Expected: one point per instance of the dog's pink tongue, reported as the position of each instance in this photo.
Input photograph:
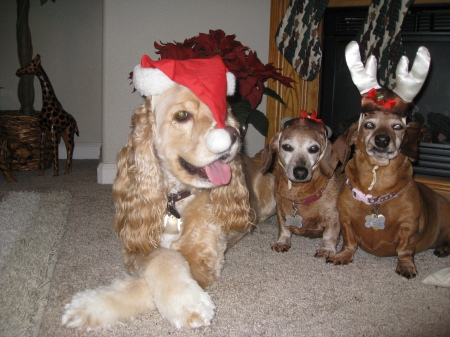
(219, 173)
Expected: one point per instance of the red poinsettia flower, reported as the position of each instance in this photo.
(251, 75)
(216, 43)
(175, 51)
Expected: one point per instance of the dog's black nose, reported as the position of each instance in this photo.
(382, 140)
(300, 173)
(233, 134)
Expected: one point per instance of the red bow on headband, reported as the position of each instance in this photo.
(387, 103)
(311, 115)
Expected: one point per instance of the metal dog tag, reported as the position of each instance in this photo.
(172, 230)
(172, 224)
(295, 221)
(375, 221)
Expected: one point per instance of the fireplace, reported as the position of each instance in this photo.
(340, 101)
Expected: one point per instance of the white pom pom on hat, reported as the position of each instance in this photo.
(218, 141)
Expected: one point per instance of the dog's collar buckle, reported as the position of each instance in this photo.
(369, 199)
(173, 198)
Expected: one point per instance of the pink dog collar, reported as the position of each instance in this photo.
(369, 199)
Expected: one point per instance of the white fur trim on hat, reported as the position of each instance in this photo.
(150, 81)
(231, 83)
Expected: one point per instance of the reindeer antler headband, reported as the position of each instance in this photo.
(373, 96)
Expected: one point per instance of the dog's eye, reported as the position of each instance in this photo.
(287, 147)
(313, 149)
(369, 125)
(182, 115)
(397, 127)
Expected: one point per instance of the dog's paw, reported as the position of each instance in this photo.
(324, 253)
(192, 307)
(442, 251)
(87, 313)
(406, 271)
(340, 259)
(281, 247)
(103, 307)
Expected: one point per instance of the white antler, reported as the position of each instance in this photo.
(410, 83)
(365, 78)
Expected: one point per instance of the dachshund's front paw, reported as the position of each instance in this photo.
(324, 253)
(340, 259)
(281, 247)
(442, 251)
(406, 271)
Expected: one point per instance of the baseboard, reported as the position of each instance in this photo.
(81, 151)
(106, 173)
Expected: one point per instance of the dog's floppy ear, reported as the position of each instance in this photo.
(138, 189)
(268, 152)
(410, 144)
(342, 145)
(232, 202)
(329, 161)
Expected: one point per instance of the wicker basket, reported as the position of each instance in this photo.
(25, 129)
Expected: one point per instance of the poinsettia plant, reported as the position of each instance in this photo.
(251, 74)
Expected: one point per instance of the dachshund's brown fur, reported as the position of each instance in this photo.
(306, 166)
(416, 219)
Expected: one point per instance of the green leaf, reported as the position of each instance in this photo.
(244, 114)
(271, 93)
(241, 110)
(259, 121)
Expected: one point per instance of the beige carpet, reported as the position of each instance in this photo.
(260, 293)
(31, 228)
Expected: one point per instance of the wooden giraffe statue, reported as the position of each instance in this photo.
(54, 121)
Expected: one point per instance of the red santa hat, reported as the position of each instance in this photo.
(209, 79)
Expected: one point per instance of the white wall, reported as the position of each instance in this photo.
(88, 48)
(68, 36)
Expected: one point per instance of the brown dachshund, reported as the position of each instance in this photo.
(306, 187)
(381, 208)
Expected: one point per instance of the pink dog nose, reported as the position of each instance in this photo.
(220, 140)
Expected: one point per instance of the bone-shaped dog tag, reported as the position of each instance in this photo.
(172, 230)
(172, 225)
(375, 221)
(295, 221)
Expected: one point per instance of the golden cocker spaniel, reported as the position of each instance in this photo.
(164, 172)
